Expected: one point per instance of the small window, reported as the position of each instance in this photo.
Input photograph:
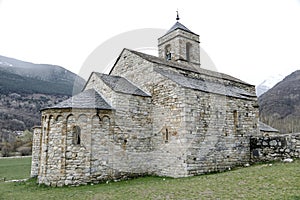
(167, 136)
(168, 56)
(188, 51)
(76, 135)
(235, 120)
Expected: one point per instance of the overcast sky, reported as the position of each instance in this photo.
(248, 39)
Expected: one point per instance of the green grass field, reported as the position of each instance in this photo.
(15, 168)
(264, 181)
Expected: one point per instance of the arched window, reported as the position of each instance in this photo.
(76, 135)
(188, 51)
(168, 52)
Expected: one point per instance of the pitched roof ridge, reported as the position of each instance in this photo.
(186, 67)
(124, 86)
(179, 25)
(102, 74)
(205, 85)
(89, 98)
(266, 127)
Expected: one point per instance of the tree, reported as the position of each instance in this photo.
(6, 149)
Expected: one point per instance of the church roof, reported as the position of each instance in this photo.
(186, 67)
(266, 128)
(120, 84)
(87, 99)
(178, 25)
(204, 85)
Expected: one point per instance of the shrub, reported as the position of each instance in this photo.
(6, 149)
(25, 151)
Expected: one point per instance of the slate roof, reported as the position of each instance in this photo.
(186, 67)
(86, 99)
(178, 25)
(120, 84)
(266, 128)
(204, 85)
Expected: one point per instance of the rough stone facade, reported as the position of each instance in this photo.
(275, 147)
(36, 144)
(150, 115)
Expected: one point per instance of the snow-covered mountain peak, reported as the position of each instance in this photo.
(268, 83)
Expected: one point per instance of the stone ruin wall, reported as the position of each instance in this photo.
(275, 147)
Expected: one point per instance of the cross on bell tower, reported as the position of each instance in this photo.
(177, 18)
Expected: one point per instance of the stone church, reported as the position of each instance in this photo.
(163, 116)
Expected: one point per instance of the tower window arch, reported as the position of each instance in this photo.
(168, 54)
(76, 135)
(188, 51)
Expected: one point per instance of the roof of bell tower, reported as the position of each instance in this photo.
(178, 25)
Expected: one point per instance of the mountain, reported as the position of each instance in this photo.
(26, 87)
(267, 84)
(25, 77)
(280, 106)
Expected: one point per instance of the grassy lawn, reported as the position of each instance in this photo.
(15, 168)
(264, 181)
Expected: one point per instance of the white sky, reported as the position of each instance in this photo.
(248, 39)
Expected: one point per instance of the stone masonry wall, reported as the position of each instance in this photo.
(275, 147)
(177, 41)
(217, 141)
(96, 83)
(135, 69)
(167, 114)
(132, 134)
(133, 114)
(36, 147)
(62, 162)
(168, 129)
(132, 131)
(218, 127)
(202, 136)
(176, 132)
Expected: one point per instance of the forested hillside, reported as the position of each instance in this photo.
(280, 106)
(25, 88)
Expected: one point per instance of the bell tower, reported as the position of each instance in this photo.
(180, 44)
